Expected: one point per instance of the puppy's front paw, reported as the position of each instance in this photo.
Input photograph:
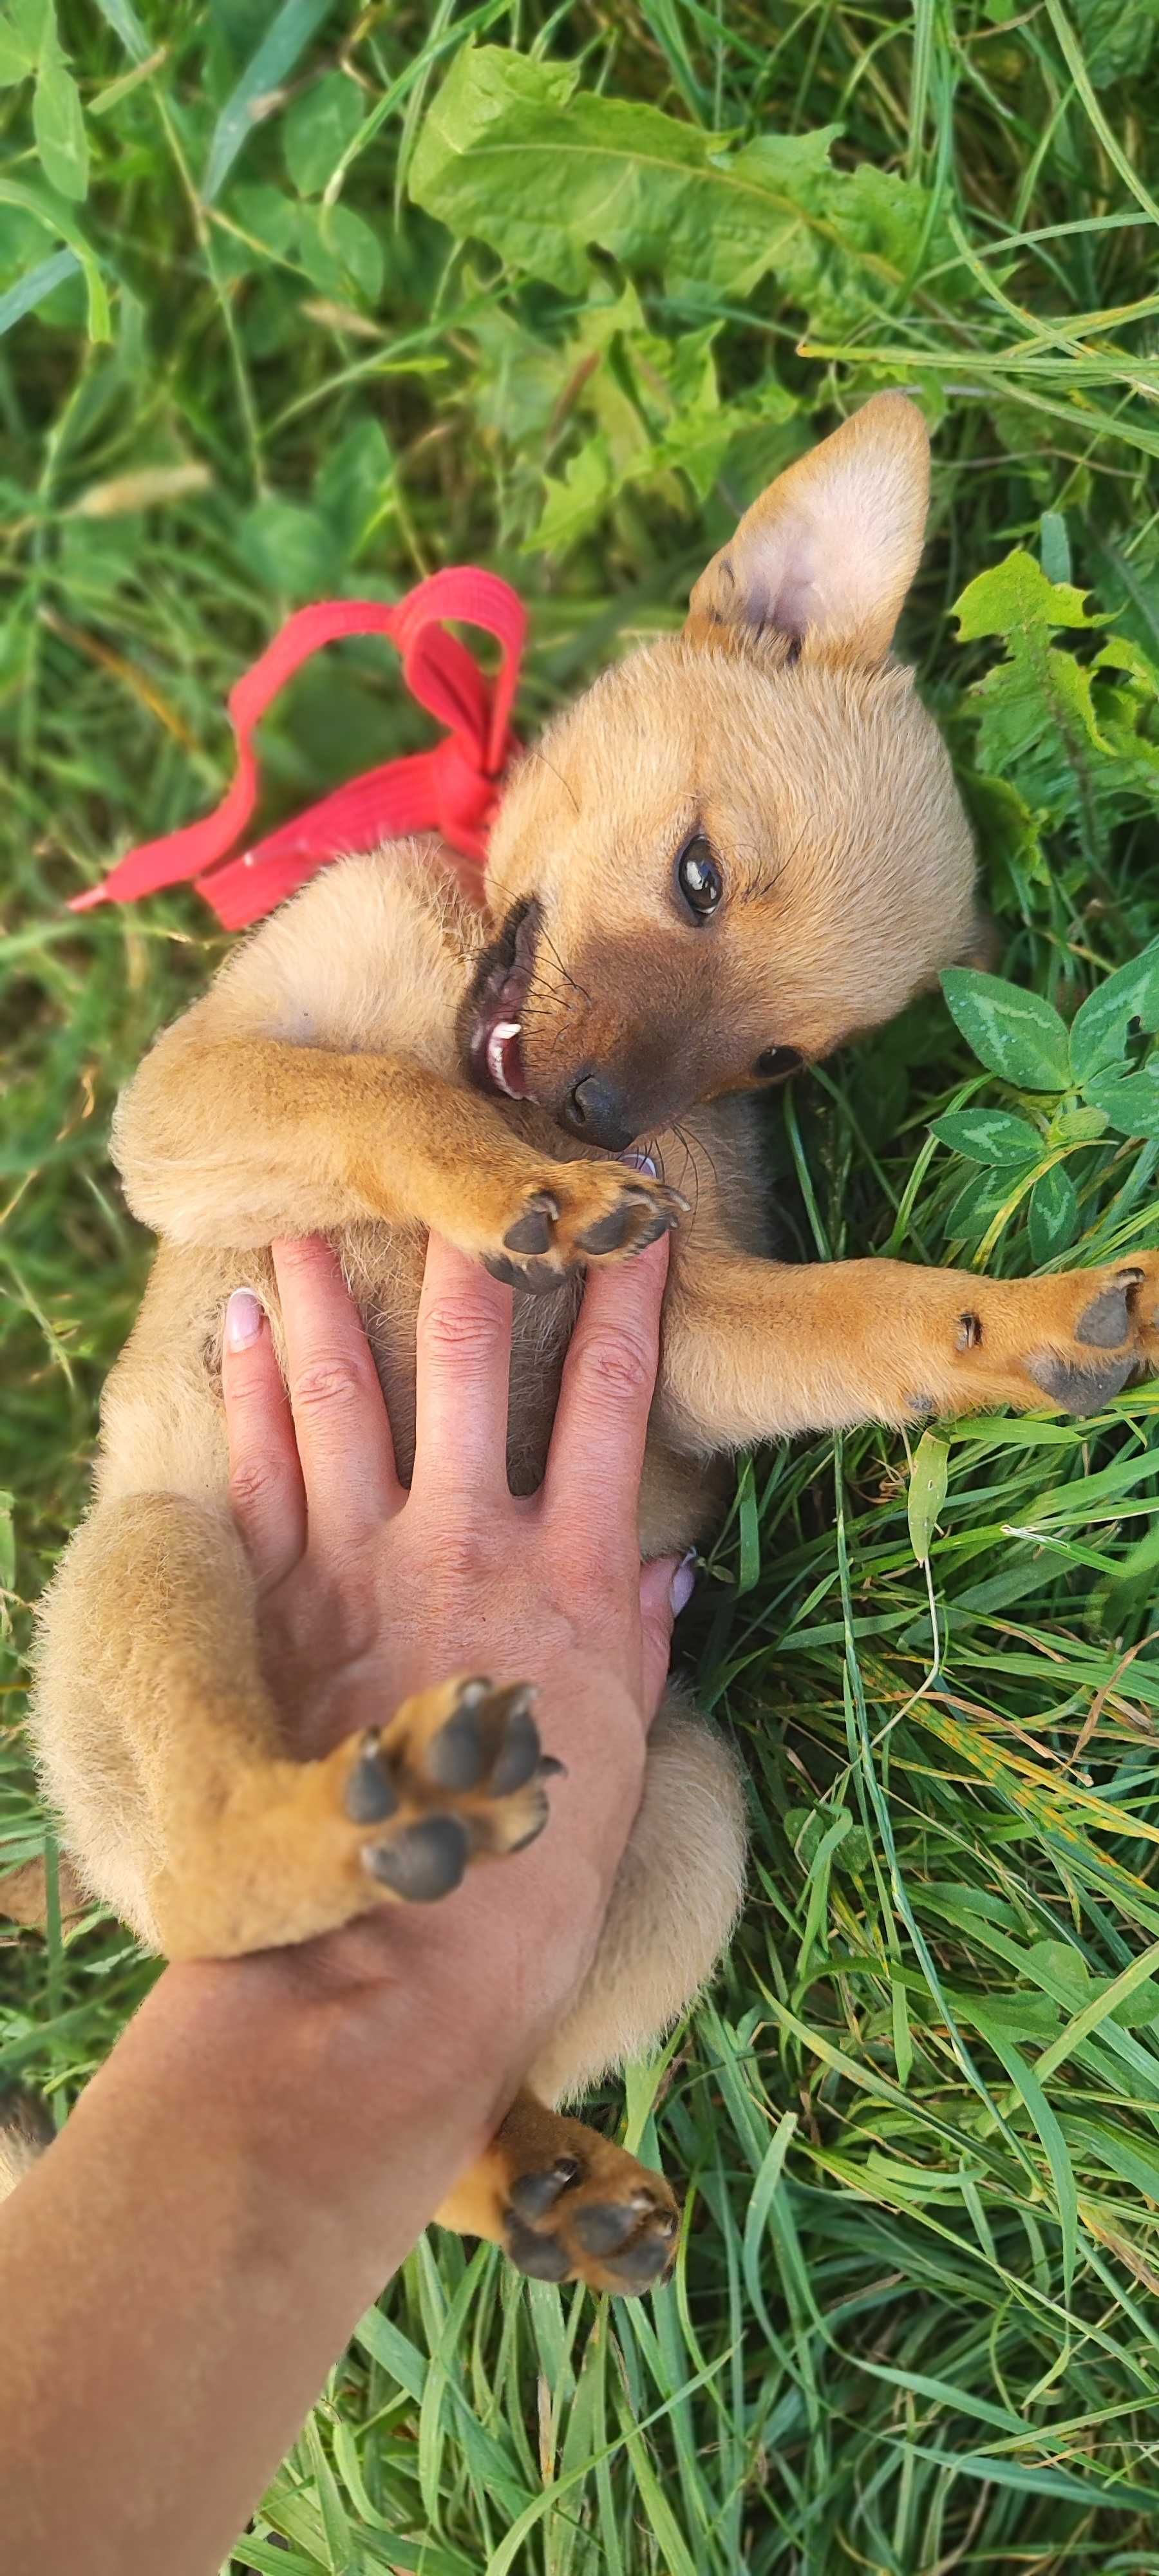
(577, 1214)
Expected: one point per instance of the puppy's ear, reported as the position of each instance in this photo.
(827, 554)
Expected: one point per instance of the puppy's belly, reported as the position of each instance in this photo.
(163, 1424)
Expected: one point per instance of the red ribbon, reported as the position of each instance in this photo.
(452, 789)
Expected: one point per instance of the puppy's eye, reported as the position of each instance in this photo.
(777, 1063)
(699, 877)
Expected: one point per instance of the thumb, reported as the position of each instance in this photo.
(665, 1590)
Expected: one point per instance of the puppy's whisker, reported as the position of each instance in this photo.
(536, 754)
(691, 1171)
(545, 934)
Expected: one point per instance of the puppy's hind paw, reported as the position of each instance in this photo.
(457, 1776)
(592, 2214)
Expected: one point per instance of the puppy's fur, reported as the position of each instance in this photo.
(380, 1057)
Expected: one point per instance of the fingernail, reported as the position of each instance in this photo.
(640, 1163)
(243, 1319)
(683, 1584)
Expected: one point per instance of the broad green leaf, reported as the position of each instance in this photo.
(988, 1136)
(1039, 725)
(1007, 827)
(1131, 1100)
(1054, 546)
(23, 29)
(1012, 1032)
(36, 284)
(354, 483)
(1100, 1027)
(279, 50)
(515, 154)
(269, 216)
(1054, 1213)
(929, 1477)
(318, 129)
(1016, 594)
(576, 499)
(17, 58)
(658, 418)
(123, 20)
(978, 1203)
(288, 549)
(808, 1828)
(1078, 1126)
(59, 219)
(1118, 38)
(338, 250)
(58, 124)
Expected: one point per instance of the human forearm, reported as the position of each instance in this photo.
(192, 2254)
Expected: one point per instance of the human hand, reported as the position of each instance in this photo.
(369, 1592)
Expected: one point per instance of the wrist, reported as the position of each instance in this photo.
(307, 2081)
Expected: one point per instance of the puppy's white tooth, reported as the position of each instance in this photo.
(501, 1034)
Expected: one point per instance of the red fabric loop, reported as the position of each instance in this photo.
(452, 789)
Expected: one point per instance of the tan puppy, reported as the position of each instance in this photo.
(740, 847)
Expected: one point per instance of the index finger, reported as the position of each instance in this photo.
(609, 1378)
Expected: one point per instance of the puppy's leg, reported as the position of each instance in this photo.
(165, 1754)
(756, 1349)
(566, 2203)
(234, 1140)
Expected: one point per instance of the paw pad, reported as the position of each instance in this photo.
(540, 1279)
(1079, 1390)
(425, 1862)
(1107, 1320)
(633, 1215)
(562, 2226)
(533, 1231)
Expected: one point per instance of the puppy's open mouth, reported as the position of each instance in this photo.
(492, 1020)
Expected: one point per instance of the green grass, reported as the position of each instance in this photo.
(914, 2326)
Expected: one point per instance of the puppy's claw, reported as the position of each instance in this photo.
(518, 1757)
(539, 1817)
(370, 1792)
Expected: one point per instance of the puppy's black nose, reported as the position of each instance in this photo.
(598, 1112)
